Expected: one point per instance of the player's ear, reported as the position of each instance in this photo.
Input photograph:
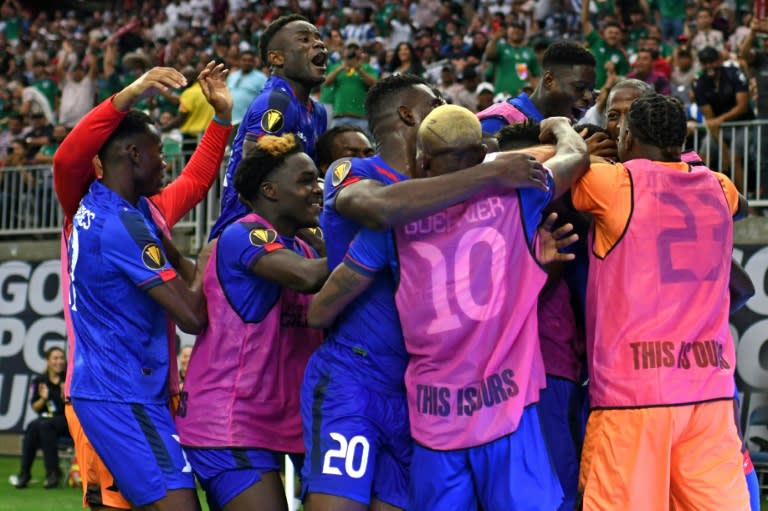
(269, 190)
(406, 115)
(275, 58)
(548, 80)
(133, 153)
(483, 151)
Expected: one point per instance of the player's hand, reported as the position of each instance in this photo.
(518, 170)
(42, 389)
(550, 242)
(147, 85)
(213, 82)
(600, 144)
(552, 128)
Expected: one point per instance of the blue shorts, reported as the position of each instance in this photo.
(559, 408)
(512, 473)
(227, 472)
(139, 445)
(358, 442)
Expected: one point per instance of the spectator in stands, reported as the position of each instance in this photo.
(456, 49)
(47, 399)
(405, 61)
(722, 94)
(401, 29)
(46, 152)
(244, 84)
(753, 52)
(448, 86)
(39, 135)
(467, 96)
(705, 34)
(644, 71)
(671, 16)
(515, 64)
(44, 82)
(683, 74)
(358, 29)
(477, 48)
(78, 88)
(637, 28)
(32, 100)
(484, 93)
(605, 46)
(194, 111)
(351, 80)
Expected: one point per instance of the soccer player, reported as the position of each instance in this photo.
(240, 405)
(296, 55)
(345, 141)
(475, 370)
(660, 353)
(353, 407)
(74, 171)
(565, 89)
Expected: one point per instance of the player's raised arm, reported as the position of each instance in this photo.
(185, 192)
(571, 157)
(378, 207)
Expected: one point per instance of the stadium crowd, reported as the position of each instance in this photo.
(55, 66)
(373, 351)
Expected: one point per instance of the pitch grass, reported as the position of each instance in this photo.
(36, 498)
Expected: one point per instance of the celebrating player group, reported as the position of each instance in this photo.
(495, 311)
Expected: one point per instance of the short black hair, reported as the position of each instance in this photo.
(708, 54)
(134, 123)
(324, 144)
(566, 53)
(518, 135)
(269, 154)
(272, 29)
(658, 120)
(382, 91)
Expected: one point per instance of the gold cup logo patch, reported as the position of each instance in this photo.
(340, 172)
(152, 257)
(261, 237)
(272, 121)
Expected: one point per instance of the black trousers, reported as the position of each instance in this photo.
(43, 433)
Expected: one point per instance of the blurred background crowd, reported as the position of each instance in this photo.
(56, 64)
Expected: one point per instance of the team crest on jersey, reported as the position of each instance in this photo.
(340, 172)
(272, 121)
(153, 257)
(261, 237)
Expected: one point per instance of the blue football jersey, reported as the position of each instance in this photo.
(251, 296)
(276, 110)
(121, 334)
(370, 324)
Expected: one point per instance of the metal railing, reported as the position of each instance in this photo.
(28, 205)
(739, 150)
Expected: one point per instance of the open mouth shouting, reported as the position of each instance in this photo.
(320, 60)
